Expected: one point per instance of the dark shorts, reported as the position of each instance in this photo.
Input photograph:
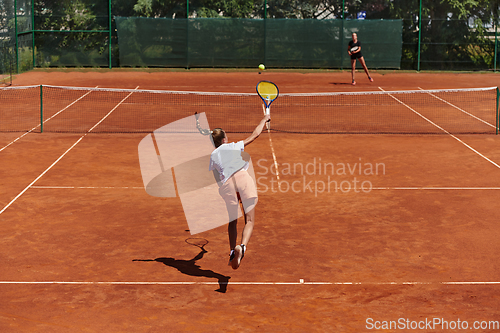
(355, 56)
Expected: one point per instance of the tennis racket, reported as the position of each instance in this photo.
(354, 49)
(198, 242)
(198, 126)
(268, 91)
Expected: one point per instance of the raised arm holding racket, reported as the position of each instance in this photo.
(354, 50)
(235, 186)
(268, 91)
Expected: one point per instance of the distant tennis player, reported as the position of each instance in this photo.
(235, 185)
(354, 50)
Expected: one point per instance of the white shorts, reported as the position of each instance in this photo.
(240, 186)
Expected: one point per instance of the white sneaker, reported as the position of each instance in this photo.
(239, 253)
(231, 257)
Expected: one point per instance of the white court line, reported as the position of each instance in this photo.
(181, 283)
(41, 175)
(274, 158)
(89, 187)
(442, 129)
(64, 154)
(373, 188)
(456, 107)
(31, 130)
(435, 188)
(272, 150)
(18, 138)
(69, 105)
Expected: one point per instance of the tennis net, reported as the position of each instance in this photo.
(102, 110)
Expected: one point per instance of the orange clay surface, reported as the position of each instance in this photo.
(411, 236)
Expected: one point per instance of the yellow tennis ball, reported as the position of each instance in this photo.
(262, 67)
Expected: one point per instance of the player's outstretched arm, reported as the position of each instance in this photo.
(257, 130)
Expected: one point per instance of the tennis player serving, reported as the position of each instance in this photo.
(235, 186)
(354, 50)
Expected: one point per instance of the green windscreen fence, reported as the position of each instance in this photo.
(24, 29)
(72, 49)
(247, 42)
(7, 42)
(6, 63)
(454, 44)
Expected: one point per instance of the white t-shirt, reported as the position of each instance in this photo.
(227, 159)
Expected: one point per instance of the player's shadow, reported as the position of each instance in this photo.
(189, 267)
(340, 83)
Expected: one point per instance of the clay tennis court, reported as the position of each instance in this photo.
(414, 236)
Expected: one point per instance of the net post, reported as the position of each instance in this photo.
(41, 108)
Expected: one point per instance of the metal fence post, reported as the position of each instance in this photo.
(17, 42)
(419, 35)
(187, 34)
(496, 48)
(109, 27)
(342, 37)
(33, 32)
(265, 32)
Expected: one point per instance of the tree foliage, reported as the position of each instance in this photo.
(160, 8)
